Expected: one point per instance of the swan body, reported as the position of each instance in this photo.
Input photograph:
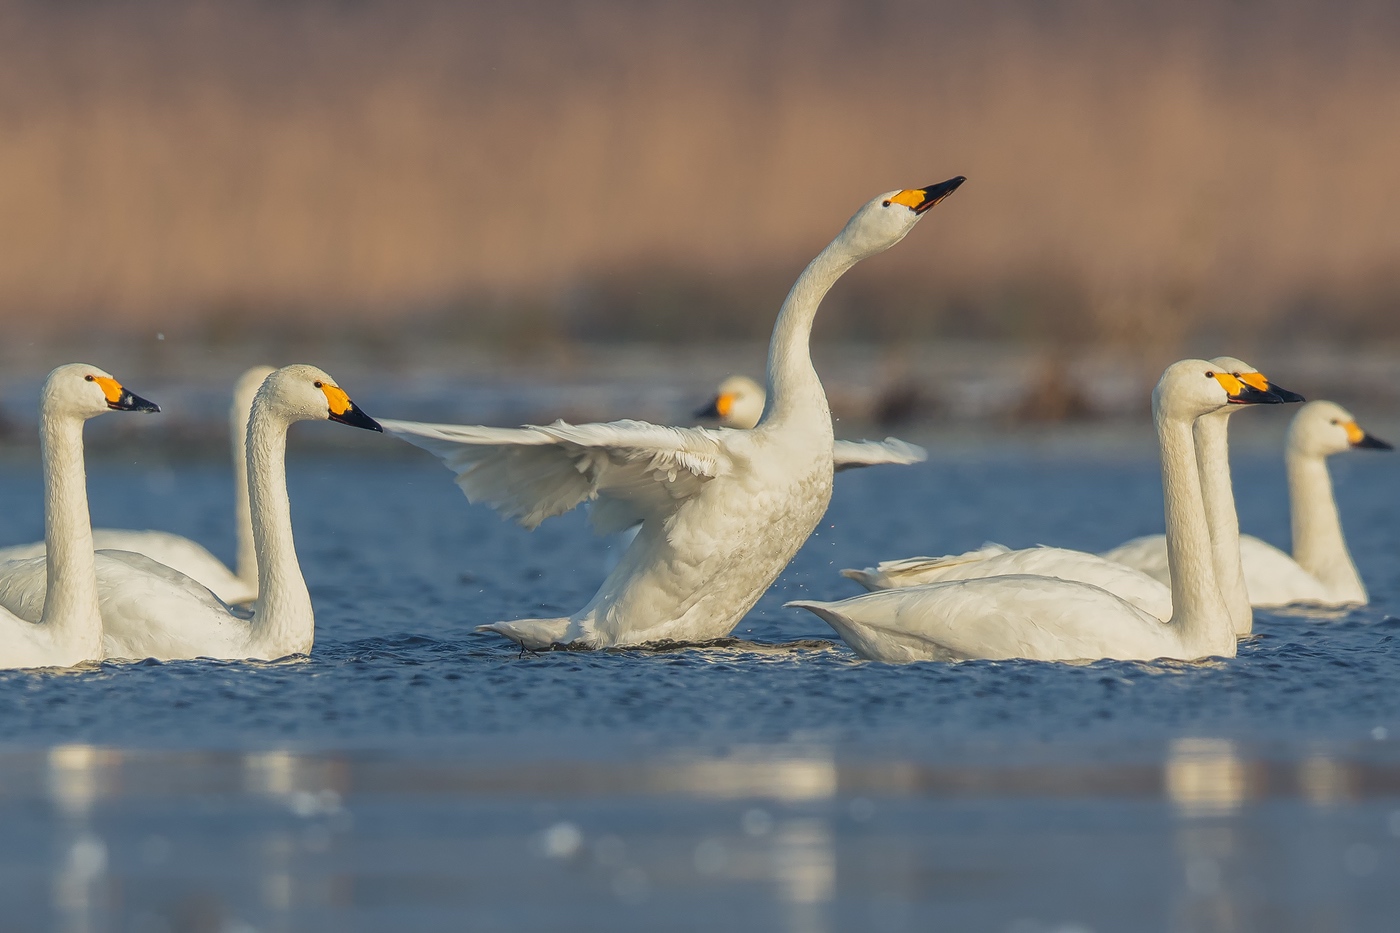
(1321, 571)
(722, 511)
(994, 560)
(178, 552)
(739, 401)
(68, 629)
(149, 610)
(1051, 619)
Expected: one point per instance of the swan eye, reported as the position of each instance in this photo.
(885, 204)
(1210, 375)
(319, 384)
(90, 378)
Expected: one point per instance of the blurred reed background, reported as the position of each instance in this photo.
(541, 173)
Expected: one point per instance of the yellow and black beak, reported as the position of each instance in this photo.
(1240, 390)
(720, 406)
(119, 398)
(1359, 438)
(1261, 382)
(345, 411)
(919, 200)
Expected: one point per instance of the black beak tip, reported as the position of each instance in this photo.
(1252, 396)
(1285, 395)
(708, 411)
(1371, 442)
(129, 401)
(356, 418)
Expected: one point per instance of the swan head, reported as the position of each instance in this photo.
(884, 221)
(302, 392)
(1253, 377)
(87, 391)
(738, 403)
(1321, 429)
(1191, 388)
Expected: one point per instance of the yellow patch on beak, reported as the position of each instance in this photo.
(110, 388)
(1255, 381)
(909, 197)
(336, 398)
(1354, 433)
(725, 404)
(1233, 386)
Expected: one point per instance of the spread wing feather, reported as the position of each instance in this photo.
(847, 455)
(634, 469)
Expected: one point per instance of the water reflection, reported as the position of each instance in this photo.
(77, 777)
(1205, 777)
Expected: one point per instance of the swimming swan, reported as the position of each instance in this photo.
(722, 510)
(149, 610)
(1050, 619)
(180, 553)
(1146, 591)
(1320, 571)
(738, 403)
(70, 630)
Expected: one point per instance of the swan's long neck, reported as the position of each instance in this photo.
(282, 617)
(246, 559)
(70, 606)
(1198, 612)
(1319, 546)
(794, 391)
(1218, 493)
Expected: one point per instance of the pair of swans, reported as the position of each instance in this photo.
(739, 401)
(1052, 619)
(722, 511)
(1147, 592)
(180, 553)
(79, 605)
(1320, 570)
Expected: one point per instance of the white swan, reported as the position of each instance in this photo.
(722, 511)
(1321, 571)
(149, 610)
(180, 553)
(1051, 619)
(69, 631)
(739, 401)
(1144, 590)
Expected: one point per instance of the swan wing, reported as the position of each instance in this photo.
(992, 560)
(1275, 579)
(848, 455)
(911, 571)
(635, 470)
(1014, 616)
(1147, 554)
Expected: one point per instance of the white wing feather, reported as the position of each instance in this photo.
(848, 455)
(635, 470)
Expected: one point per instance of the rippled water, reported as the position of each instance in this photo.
(413, 774)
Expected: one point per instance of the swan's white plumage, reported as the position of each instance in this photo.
(178, 552)
(739, 401)
(65, 627)
(1273, 577)
(1051, 619)
(722, 511)
(993, 560)
(151, 610)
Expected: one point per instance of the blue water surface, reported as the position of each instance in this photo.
(413, 774)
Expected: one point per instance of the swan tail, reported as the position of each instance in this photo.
(868, 578)
(824, 611)
(535, 634)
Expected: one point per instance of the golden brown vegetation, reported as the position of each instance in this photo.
(616, 168)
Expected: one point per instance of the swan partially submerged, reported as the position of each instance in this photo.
(722, 510)
(149, 610)
(739, 401)
(1145, 591)
(180, 553)
(1320, 571)
(67, 630)
(1052, 619)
